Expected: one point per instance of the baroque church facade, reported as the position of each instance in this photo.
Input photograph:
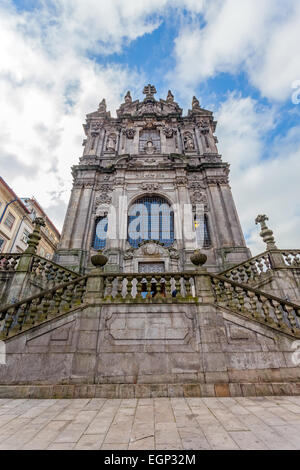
(152, 155)
(153, 291)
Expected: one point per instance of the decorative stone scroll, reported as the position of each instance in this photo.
(169, 132)
(130, 132)
(150, 186)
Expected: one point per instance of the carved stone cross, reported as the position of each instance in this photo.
(266, 234)
(149, 91)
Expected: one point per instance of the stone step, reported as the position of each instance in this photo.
(187, 390)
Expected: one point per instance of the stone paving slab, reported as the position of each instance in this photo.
(160, 423)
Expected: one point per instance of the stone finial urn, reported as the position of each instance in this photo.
(99, 260)
(198, 258)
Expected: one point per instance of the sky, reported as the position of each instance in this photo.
(59, 58)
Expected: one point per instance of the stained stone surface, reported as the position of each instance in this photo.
(155, 345)
(158, 423)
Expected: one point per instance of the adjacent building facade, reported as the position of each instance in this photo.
(16, 224)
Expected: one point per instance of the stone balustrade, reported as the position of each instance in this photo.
(291, 258)
(259, 267)
(160, 287)
(49, 272)
(48, 304)
(196, 287)
(9, 261)
(257, 305)
(251, 271)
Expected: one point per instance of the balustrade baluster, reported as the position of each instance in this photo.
(177, 278)
(291, 318)
(149, 287)
(139, 288)
(253, 305)
(266, 309)
(242, 274)
(33, 311)
(9, 319)
(168, 287)
(129, 288)
(240, 298)
(278, 313)
(187, 284)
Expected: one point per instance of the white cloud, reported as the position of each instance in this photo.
(260, 37)
(264, 176)
(48, 82)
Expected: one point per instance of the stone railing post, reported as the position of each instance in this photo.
(20, 277)
(203, 286)
(95, 283)
(266, 234)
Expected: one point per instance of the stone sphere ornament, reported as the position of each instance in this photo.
(99, 260)
(198, 258)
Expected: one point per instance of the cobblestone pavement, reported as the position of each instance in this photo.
(154, 423)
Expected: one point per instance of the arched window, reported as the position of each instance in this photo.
(150, 218)
(99, 239)
(202, 231)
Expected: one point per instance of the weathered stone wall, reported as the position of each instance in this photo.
(167, 348)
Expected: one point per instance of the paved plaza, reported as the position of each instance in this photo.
(156, 423)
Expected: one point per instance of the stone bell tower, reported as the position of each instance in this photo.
(138, 186)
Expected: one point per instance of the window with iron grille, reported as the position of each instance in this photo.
(9, 221)
(100, 232)
(150, 218)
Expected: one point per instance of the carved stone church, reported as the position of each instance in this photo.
(152, 291)
(151, 155)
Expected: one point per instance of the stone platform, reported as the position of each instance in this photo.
(155, 423)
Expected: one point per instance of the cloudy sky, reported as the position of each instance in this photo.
(59, 58)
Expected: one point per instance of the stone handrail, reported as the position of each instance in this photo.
(257, 305)
(45, 305)
(9, 261)
(291, 258)
(50, 272)
(259, 267)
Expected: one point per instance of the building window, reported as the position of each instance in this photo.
(149, 142)
(9, 221)
(203, 232)
(25, 236)
(99, 239)
(47, 255)
(42, 251)
(150, 218)
(2, 243)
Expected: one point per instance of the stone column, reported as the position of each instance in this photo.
(70, 219)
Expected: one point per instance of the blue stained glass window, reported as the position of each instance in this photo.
(150, 218)
(99, 240)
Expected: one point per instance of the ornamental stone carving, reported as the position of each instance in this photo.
(173, 253)
(181, 181)
(169, 132)
(105, 187)
(130, 133)
(111, 142)
(188, 141)
(103, 198)
(150, 186)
